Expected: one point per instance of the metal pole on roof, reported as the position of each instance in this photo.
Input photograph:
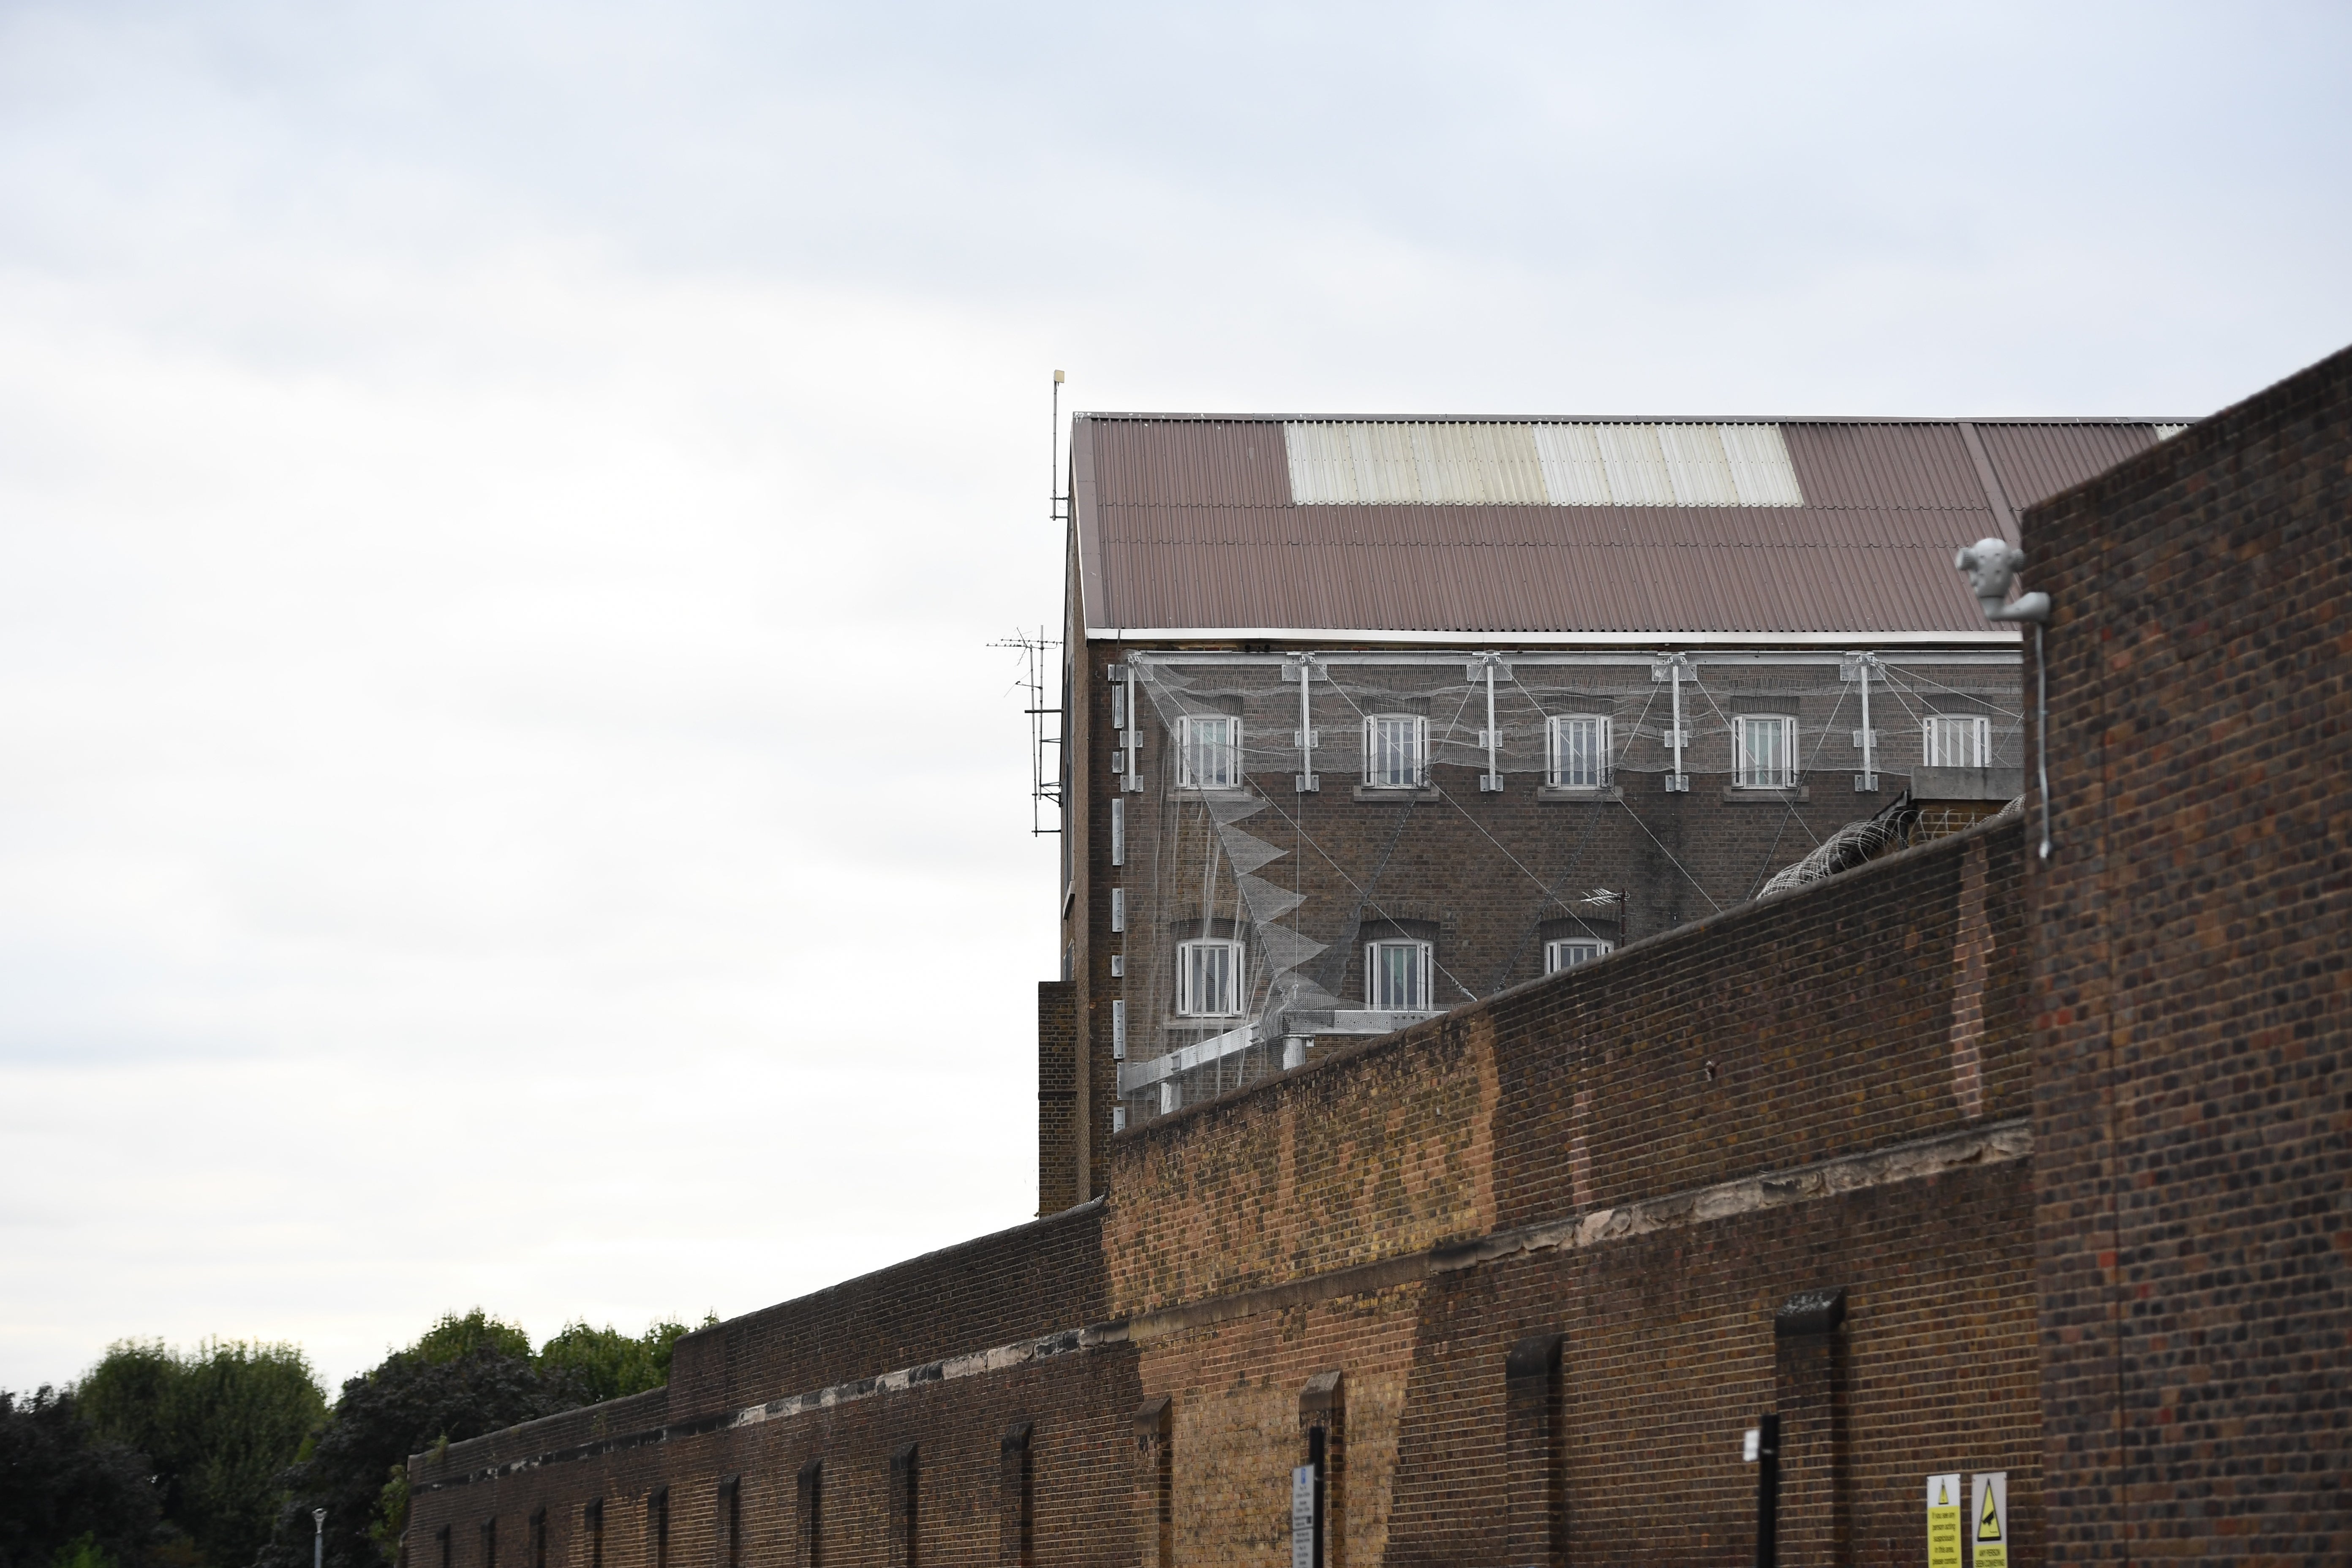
(1054, 490)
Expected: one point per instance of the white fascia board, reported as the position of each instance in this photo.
(2005, 658)
(1325, 637)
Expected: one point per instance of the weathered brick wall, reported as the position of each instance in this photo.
(1075, 1408)
(1646, 1156)
(1789, 1032)
(1320, 1170)
(2193, 1138)
(685, 1441)
(1032, 1279)
(1059, 1112)
(1397, 1214)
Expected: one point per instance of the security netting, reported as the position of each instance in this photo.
(1313, 848)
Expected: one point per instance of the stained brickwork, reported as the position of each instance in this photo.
(1791, 1032)
(2193, 1136)
(1788, 1034)
(1059, 1112)
(830, 1483)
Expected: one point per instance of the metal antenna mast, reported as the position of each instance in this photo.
(1044, 782)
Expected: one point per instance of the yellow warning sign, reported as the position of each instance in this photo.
(1944, 1520)
(1991, 1510)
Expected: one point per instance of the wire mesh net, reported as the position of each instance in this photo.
(1262, 917)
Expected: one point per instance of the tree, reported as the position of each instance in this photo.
(219, 1423)
(605, 1364)
(466, 1376)
(67, 1492)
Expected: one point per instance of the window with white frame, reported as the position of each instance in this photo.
(1208, 978)
(1579, 746)
(1396, 751)
(1764, 751)
(1958, 741)
(1208, 753)
(1396, 976)
(1570, 952)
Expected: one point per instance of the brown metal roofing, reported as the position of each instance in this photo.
(1187, 523)
(2036, 461)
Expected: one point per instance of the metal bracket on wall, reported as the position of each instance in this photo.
(1859, 668)
(1670, 668)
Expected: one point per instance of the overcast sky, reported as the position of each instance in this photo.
(504, 796)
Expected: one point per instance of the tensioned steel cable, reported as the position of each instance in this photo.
(1551, 894)
(1971, 696)
(1785, 801)
(1363, 896)
(1827, 731)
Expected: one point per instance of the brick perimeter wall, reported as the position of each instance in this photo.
(1017, 1285)
(2193, 1144)
(1876, 1010)
(1882, 1009)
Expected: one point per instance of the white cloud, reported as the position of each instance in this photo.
(502, 794)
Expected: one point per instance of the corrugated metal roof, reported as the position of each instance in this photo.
(2036, 461)
(1608, 528)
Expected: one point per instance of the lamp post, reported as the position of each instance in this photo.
(319, 1537)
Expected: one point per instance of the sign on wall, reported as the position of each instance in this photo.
(1302, 1517)
(1945, 1496)
(1989, 1511)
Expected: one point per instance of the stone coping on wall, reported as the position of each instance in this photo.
(584, 1428)
(1994, 1144)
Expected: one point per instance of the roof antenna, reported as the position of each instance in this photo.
(1991, 566)
(1054, 490)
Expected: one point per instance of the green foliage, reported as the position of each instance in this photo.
(466, 1375)
(83, 1552)
(605, 1364)
(453, 1338)
(391, 1515)
(219, 1423)
(67, 1493)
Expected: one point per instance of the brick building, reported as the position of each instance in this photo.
(1963, 1161)
(1371, 718)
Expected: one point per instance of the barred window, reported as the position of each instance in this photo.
(1958, 741)
(1396, 751)
(1208, 978)
(1764, 752)
(1569, 953)
(1208, 753)
(1396, 976)
(1578, 745)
